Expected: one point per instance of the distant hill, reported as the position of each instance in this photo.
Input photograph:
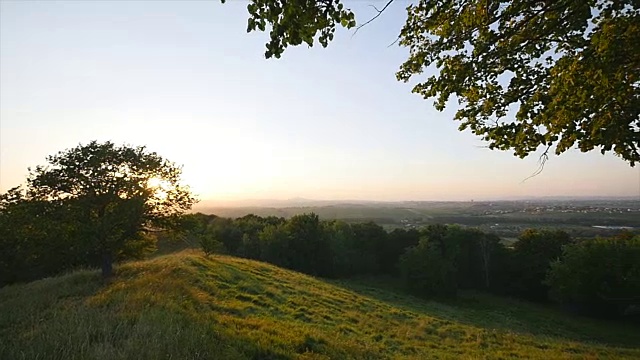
(187, 306)
(207, 205)
(275, 203)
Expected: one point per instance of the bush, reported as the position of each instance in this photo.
(211, 245)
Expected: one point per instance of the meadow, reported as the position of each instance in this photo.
(191, 306)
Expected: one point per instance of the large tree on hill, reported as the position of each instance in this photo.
(115, 194)
(527, 74)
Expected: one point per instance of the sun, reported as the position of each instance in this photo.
(159, 186)
(155, 182)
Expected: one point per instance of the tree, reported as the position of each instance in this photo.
(341, 239)
(533, 254)
(116, 193)
(201, 229)
(210, 243)
(598, 275)
(274, 249)
(397, 242)
(227, 233)
(249, 228)
(479, 257)
(308, 245)
(426, 272)
(299, 244)
(36, 240)
(527, 74)
(368, 247)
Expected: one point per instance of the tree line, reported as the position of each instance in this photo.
(598, 276)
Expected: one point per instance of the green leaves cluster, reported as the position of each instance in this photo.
(570, 68)
(449, 258)
(294, 22)
(599, 275)
(36, 239)
(532, 256)
(426, 272)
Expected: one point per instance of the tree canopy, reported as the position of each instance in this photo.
(112, 194)
(527, 75)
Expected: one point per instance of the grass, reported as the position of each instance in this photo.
(188, 306)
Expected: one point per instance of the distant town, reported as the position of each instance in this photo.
(507, 218)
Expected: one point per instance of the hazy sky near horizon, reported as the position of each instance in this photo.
(186, 80)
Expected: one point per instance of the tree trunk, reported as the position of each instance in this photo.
(107, 265)
(486, 255)
(486, 270)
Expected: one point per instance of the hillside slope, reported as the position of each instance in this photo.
(187, 306)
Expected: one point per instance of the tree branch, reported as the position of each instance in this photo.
(380, 11)
(543, 160)
(394, 41)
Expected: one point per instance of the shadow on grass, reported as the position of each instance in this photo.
(500, 313)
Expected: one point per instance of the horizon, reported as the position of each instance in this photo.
(188, 82)
(307, 202)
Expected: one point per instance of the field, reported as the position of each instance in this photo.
(188, 306)
(505, 218)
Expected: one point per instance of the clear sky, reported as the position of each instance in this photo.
(185, 79)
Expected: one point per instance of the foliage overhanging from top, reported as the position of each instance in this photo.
(526, 74)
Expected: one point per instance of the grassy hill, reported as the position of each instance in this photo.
(187, 306)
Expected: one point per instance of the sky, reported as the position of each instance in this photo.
(186, 80)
